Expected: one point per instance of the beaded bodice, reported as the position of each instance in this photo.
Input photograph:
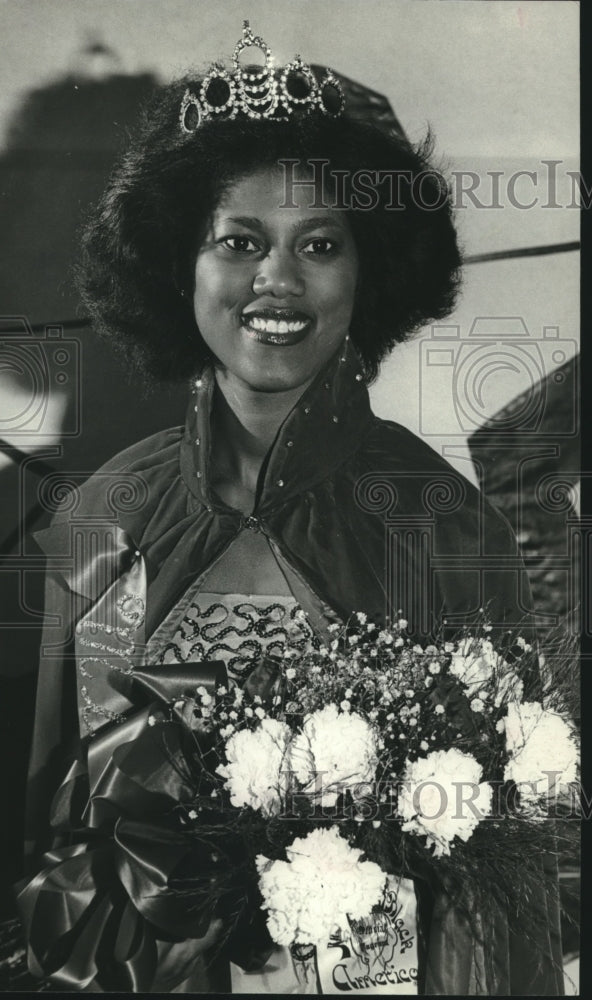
(236, 628)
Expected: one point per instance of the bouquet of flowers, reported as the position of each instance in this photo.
(340, 767)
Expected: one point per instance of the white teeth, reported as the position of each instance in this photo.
(274, 326)
(266, 325)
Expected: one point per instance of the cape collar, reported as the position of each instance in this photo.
(323, 428)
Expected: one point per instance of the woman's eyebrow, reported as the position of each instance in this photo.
(322, 221)
(303, 225)
(249, 221)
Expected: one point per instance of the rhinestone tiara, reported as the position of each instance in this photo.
(260, 91)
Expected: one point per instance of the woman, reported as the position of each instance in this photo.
(266, 242)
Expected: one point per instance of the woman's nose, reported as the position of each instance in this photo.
(278, 275)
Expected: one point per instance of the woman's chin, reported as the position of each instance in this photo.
(272, 379)
(278, 383)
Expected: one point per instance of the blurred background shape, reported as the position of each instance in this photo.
(63, 396)
(534, 480)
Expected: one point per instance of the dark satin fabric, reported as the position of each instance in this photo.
(349, 502)
(96, 910)
(100, 912)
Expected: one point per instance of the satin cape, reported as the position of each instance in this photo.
(369, 518)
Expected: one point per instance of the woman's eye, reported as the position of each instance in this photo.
(240, 244)
(321, 246)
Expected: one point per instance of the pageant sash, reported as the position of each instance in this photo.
(110, 648)
(110, 642)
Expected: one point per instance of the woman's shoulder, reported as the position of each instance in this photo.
(126, 487)
(396, 450)
(425, 481)
(403, 447)
(147, 455)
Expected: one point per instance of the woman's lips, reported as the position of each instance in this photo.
(280, 327)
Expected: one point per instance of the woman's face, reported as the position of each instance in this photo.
(274, 287)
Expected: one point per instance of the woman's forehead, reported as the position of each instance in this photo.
(272, 193)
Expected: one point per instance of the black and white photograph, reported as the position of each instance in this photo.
(291, 548)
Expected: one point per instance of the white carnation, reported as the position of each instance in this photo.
(321, 885)
(538, 741)
(474, 662)
(339, 747)
(443, 797)
(255, 761)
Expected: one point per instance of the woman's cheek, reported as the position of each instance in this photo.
(236, 283)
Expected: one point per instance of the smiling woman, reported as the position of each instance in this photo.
(158, 211)
(263, 522)
(274, 286)
(274, 295)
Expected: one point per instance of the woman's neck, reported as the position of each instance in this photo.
(245, 423)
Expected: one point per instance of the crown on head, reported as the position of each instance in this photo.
(258, 92)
